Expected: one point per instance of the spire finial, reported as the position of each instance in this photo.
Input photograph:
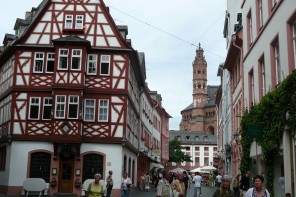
(199, 47)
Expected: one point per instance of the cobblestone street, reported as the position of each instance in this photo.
(206, 192)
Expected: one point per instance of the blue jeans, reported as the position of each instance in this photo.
(197, 191)
(124, 193)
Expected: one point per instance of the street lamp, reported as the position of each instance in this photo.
(123, 142)
(227, 148)
(236, 137)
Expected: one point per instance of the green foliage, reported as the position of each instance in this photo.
(271, 114)
(175, 152)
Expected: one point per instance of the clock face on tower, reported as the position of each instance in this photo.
(199, 100)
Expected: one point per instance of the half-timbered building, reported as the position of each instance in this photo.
(70, 88)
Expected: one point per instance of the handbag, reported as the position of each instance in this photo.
(175, 193)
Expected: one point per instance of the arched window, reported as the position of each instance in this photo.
(129, 167)
(92, 164)
(133, 171)
(211, 130)
(40, 165)
(124, 164)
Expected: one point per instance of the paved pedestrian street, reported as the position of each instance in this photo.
(205, 191)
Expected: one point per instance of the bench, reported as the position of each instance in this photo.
(34, 185)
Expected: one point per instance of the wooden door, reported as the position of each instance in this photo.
(66, 174)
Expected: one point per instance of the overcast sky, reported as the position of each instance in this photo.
(168, 32)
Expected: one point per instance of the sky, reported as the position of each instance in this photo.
(168, 32)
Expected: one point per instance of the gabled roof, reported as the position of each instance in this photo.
(73, 40)
(211, 90)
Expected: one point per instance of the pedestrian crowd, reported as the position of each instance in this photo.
(167, 184)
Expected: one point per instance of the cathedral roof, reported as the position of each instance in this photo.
(188, 137)
(212, 90)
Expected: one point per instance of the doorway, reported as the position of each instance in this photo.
(66, 175)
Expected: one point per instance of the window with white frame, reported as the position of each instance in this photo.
(105, 65)
(294, 41)
(263, 77)
(252, 87)
(91, 64)
(50, 63)
(250, 28)
(103, 110)
(34, 108)
(69, 21)
(277, 63)
(60, 106)
(38, 62)
(63, 59)
(260, 13)
(76, 59)
(73, 107)
(89, 109)
(47, 105)
(79, 22)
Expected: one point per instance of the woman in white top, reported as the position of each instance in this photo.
(126, 184)
(258, 190)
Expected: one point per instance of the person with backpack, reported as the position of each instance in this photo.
(257, 190)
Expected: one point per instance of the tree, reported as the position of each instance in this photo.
(175, 152)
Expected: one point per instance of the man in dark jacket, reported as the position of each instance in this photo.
(245, 182)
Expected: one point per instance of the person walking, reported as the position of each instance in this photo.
(245, 182)
(164, 188)
(197, 179)
(147, 182)
(211, 180)
(224, 190)
(109, 185)
(126, 184)
(235, 185)
(186, 181)
(178, 185)
(282, 185)
(219, 180)
(257, 190)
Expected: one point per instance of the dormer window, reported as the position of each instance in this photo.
(69, 22)
(79, 22)
(196, 138)
(178, 137)
(74, 22)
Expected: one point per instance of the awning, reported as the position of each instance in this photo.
(160, 166)
(153, 165)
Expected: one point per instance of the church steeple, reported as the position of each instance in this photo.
(199, 78)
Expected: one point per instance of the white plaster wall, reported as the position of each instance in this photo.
(18, 164)
(276, 26)
(233, 7)
(114, 159)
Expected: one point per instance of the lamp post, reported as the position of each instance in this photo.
(228, 155)
(123, 142)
